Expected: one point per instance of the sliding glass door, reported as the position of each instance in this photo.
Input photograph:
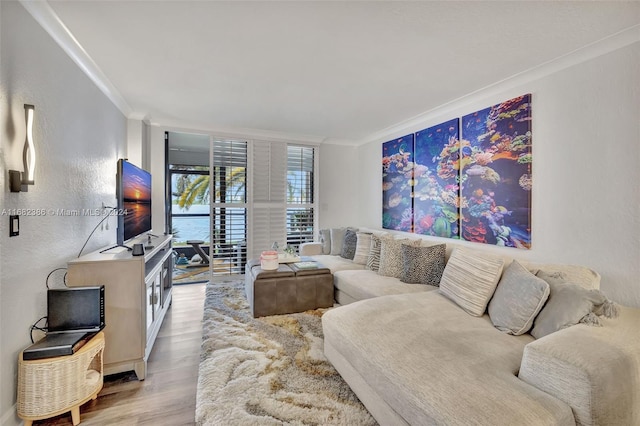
(217, 197)
(207, 178)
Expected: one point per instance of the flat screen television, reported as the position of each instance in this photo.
(134, 201)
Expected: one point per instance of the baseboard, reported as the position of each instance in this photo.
(10, 418)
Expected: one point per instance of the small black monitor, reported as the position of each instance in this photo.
(75, 309)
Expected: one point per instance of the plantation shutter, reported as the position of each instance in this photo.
(300, 194)
(268, 213)
(228, 172)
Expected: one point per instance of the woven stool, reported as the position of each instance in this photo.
(49, 387)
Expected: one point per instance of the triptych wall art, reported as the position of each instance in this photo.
(468, 178)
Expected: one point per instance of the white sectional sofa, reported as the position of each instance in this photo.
(414, 356)
(349, 278)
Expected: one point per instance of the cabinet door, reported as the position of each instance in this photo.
(157, 288)
(149, 305)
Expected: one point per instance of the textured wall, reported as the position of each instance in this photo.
(79, 135)
(586, 153)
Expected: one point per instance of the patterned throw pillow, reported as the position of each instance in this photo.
(362, 248)
(391, 256)
(519, 297)
(349, 244)
(337, 238)
(325, 240)
(373, 260)
(469, 279)
(423, 265)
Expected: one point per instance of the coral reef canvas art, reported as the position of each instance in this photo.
(435, 180)
(495, 174)
(467, 178)
(397, 181)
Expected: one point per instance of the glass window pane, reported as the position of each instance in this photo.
(299, 226)
(229, 240)
(189, 193)
(300, 175)
(190, 228)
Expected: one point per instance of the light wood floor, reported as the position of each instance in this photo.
(168, 395)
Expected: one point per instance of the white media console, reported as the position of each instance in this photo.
(137, 296)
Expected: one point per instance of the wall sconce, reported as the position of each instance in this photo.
(18, 180)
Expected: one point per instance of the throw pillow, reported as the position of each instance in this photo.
(469, 279)
(423, 265)
(373, 260)
(337, 238)
(519, 297)
(349, 244)
(570, 304)
(325, 240)
(391, 256)
(362, 248)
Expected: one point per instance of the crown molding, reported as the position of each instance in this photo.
(44, 15)
(593, 50)
(239, 133)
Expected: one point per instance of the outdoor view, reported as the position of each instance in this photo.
(192, 199)
(193, 196)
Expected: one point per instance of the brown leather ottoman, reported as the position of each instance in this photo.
(288, 289)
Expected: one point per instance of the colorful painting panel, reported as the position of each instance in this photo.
(495, 174)
(436, 189)
(397, 176)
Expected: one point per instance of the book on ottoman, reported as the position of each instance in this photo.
(307, 265)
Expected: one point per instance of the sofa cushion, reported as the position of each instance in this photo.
(336, 263)
(364, 284)
(585, 277)
(423, 264)
(349, 244)
(325, 240)
(591, 369)
(519, 297)
(391, 256)
(337, 238)
(435, 364)
(373, 260)
(469, 279)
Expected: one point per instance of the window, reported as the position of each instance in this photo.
(300, 194)
(212, 201)
(209, 198)
(189, 203)
(228, 201)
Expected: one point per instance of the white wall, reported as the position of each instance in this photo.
(79, 135)
(338, 193)
(586, 148)
(156, 167)
(135, 142)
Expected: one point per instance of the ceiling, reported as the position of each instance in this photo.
(334, 71)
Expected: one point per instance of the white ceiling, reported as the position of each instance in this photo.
(338, 71)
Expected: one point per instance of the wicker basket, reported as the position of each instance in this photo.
(52, 386)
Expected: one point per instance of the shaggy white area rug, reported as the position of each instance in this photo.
(267, 371)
